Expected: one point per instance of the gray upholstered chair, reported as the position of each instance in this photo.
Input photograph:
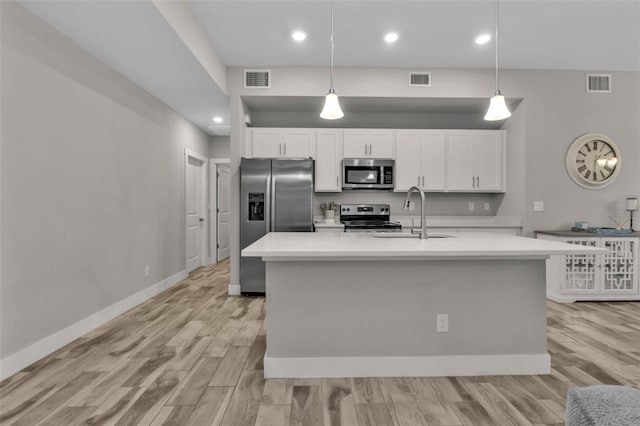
(603, 406)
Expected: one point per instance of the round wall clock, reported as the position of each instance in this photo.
(593, 161)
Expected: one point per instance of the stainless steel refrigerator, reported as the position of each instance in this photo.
(276, 195)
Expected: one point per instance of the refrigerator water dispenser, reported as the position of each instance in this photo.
(256, 206)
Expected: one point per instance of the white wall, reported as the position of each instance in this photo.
(92, 179)
(219, 147)
(555, 110)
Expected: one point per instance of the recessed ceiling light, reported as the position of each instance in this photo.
(217, 120)
(391, 37)
(299, 36)
(483, 38)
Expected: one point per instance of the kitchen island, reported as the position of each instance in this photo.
(355, 305)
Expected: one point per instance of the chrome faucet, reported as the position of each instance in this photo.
(423, 220)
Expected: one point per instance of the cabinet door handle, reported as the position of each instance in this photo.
(285, 149)
(280, 149)
(473, 181)
(337, 181)
(370, 149)
(418, 180)
(423, 181)
(478, 180)
(365, 149)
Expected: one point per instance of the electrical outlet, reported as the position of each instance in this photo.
(442, 323)
(472, 207)
(538, 206)
(147, 271)
(487, 206)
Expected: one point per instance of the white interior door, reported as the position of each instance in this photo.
(224, 210)
(194, 212)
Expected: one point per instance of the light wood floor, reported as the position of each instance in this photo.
(193, 356)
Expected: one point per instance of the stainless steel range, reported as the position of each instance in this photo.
(367, 218)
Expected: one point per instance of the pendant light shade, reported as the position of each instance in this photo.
(331, 109)
(497, 106)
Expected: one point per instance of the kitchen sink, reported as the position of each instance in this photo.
(405, 235)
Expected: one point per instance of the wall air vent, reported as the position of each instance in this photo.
(260, 79)
(421, 79)
(599, 83)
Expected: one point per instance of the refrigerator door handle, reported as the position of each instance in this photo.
(272, 203)
(269, 207)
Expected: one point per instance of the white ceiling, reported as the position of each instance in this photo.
(136, 40)
(557, 34)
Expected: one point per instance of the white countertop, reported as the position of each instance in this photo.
(349, 246)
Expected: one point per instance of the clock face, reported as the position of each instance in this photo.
(593, 161)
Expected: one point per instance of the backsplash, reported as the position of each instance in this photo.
(438, 204)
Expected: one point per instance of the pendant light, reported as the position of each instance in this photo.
(331, 109)
(497, 107)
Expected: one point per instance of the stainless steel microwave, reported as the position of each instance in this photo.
(367, 173)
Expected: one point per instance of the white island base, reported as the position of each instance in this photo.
(378, 318)
(359, 306)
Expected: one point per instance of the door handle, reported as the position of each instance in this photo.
(201, 220)
(473, 181)
(423, 181)
(365, 149)
(279, 149)
(337, 181)
(418, 180)
(285, 149)
(478, 177)
(370, 149)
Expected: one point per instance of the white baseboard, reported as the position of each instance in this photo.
(234, 289)
(38, 350)
(407, 366)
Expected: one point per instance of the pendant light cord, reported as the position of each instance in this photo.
(497, 47)
(331, 75)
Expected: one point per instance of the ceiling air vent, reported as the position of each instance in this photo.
(599, 83)
(422, 79)
(257, 79)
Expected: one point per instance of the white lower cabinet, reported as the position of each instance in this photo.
(328, 167)
(420, 160)
(611, 276)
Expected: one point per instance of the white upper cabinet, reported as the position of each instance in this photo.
(368, 143)
(476, 161)
(433, 157)
(298, 143)
(267, 143)
(282, 143)
(435, 160)
(420, 160)
(408, 165)
(328, 157)
(381, 143)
